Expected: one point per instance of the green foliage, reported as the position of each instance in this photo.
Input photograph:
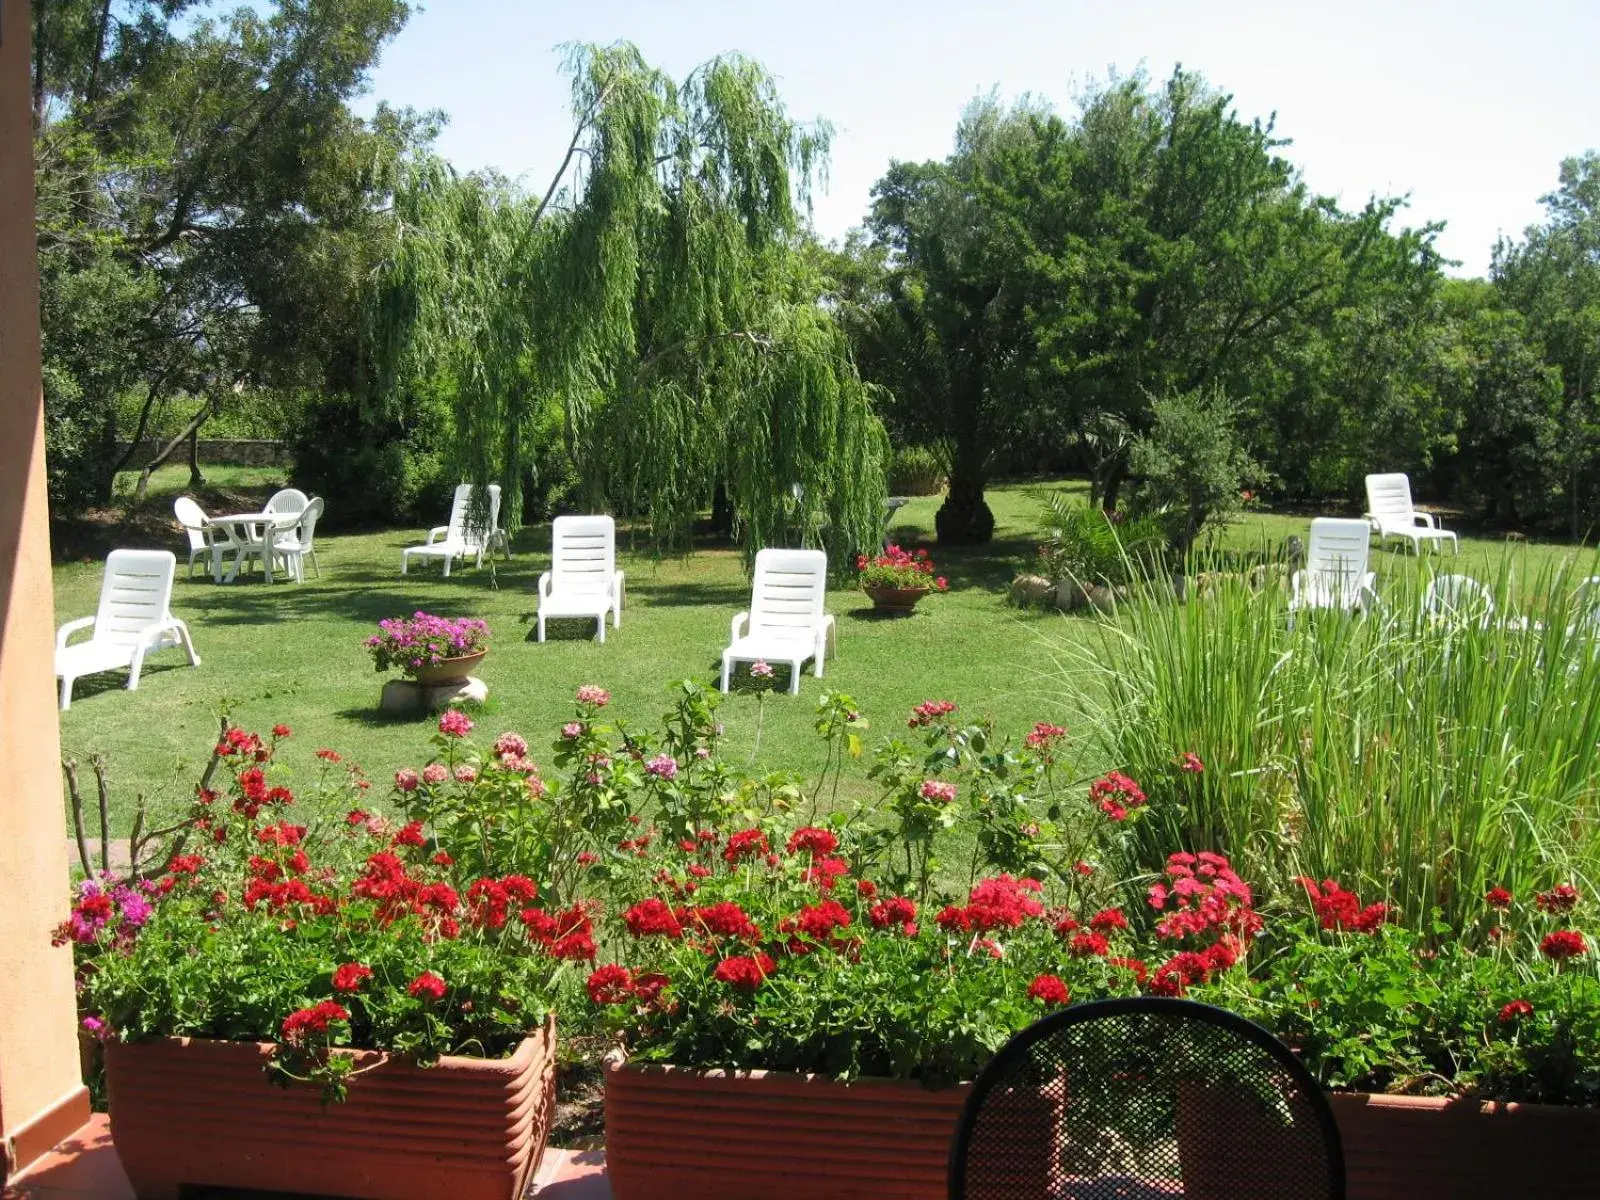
(1191, 467)
(1037, 286)
(915, 471)
(1092, 547)
(656, 301)
(1426, 761)
(1552, 278)
(208, 208)
(397, 456)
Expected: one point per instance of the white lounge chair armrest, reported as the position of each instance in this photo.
(437, 532)
(740, 621)
(70, 628)
(617, 585)
(1426, 520)
(1297, 583)
(544, 585)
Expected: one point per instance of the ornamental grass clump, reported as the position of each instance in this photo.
(1429, 756)
(299, 916)
(424, 640)
(897, 568)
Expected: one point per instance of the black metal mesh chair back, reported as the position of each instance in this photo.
(1143, 1099)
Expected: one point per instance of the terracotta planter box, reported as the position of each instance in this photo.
(768, 1135)
(1446, 1149)
(672, 1132)
(199, 1112)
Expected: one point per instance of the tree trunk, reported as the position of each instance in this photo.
(1113, 486)
(964, 519)
(195, 478)
(721, 510)
(165, 452)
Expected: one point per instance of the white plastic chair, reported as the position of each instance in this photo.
(134, 618)
(1586, 608)
(1335, 574)
(202, 538)
(583, 580)
(1458, 598)
(299, 544)
(289, 500)
(785, 622)
(460, 537)
(1390, 513)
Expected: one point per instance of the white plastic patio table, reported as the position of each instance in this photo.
(243, 533)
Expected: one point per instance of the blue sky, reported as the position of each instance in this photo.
(1468, 106)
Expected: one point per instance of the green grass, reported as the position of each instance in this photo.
(293, 653)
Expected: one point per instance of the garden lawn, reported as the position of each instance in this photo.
(293, 653)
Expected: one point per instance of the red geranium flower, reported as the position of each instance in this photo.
(1108, 919)
(1497, 898)
(1559, 899)
(610, 984)
(746, 843)
(1084, 945)
(1515, 1010)
(1049, 989)
(349, 977)
(427, 987)
(825, 872)
(1563, 943)
(302, 1023)
(652, 918)
(816, 842)
(744, 971)
(895, 911)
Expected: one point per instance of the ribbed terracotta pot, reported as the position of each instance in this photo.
(893, 599)
(672, 1132)
(449, 670)
(1401, 1147)
(198, 1112)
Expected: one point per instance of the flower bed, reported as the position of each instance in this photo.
(726, 925)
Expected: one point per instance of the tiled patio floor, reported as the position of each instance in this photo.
(85, 1167)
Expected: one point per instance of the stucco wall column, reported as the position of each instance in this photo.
(42, 1098)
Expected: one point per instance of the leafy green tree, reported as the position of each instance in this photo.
(208, 209)
(1048, 277)
(659, 300)
(1191, 466)
(1552, 277)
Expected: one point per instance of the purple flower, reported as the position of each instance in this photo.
(662, 766)
(135, 908)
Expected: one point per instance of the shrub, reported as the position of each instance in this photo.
(915, 471)
(1192, 465)
(376, 468)
(1089, 546)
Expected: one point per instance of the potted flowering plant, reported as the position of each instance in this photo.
(403, 998)
(432, 650)
(897, 579)
(797, 991)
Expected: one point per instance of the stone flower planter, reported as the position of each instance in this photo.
(449, 670)
(189, 1111)
(895, 600)
(769, 1135)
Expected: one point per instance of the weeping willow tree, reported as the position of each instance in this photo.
(653, 301)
